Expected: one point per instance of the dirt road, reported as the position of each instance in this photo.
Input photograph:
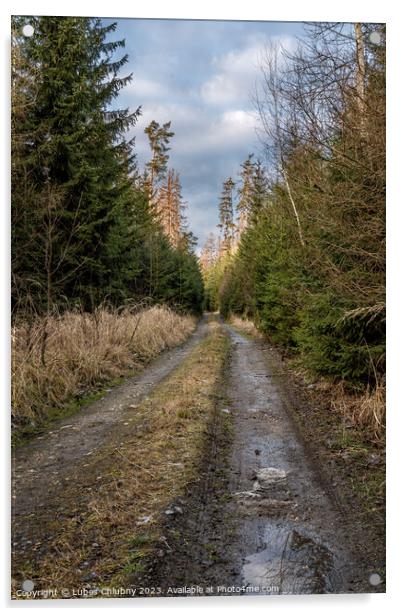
(293, 537)
(260, 519)
(41, 468)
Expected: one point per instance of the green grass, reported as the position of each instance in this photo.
(22, 435)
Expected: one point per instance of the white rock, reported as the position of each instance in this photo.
(269, 477)
(144, 520)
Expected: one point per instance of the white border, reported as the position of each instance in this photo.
(308, 10)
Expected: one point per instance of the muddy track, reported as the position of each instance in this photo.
(295, 538)
(261, 519)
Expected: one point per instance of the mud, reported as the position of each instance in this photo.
(294, 539)
(260, 519)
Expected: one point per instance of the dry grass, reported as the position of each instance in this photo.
(245, 326)
(60, 357)
(102, 527)
(366, 411)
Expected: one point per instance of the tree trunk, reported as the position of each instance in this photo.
(360, 78)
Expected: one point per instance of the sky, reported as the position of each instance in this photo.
(200, 75)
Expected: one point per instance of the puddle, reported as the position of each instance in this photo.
(292, 563)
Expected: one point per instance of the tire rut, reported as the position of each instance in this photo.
(260, 519)
(294, 538)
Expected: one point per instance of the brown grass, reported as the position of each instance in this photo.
(245, 326)
(60, 357)
(366, 411)
(108, 519)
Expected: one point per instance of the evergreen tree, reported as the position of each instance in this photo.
(310, 265)
(259, 189)
(86, 226)
(209, 253)
(170, 207)
(245, 192)
(25, 215)
(159, 138)
(77, 150)
(226, 222)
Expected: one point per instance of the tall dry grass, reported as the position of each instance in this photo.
(57, 358)
(366, 411)
(245, 326)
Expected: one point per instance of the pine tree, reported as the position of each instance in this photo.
(209, 253)
(226, 223)
(170, 207)
(78, 150)
(159, 138)
(25, 217)
(259, 189)
(245, 193)
(155, 173)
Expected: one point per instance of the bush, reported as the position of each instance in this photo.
(336, 345)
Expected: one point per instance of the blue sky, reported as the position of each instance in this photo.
(201, 76)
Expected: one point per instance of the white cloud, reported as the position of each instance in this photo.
(205, 142)
(219, 132)
(196, 129)
(234, 79)
(210, 110)
(144, 88)
(237, 72)
(208, 146)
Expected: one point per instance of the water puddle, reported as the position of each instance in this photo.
(291, 563)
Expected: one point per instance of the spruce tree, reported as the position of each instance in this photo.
(245, 192)
(226, 223)
(170, 207)
(159, 137)
(78, 150)
(209, 253)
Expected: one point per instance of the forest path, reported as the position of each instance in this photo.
(259, 518)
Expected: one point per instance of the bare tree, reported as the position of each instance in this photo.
(274, 117)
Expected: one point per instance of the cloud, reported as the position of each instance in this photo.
(235, 75)
(146, 88)
(208, 146)
(200, 76)
(197, 129)
(237, 71)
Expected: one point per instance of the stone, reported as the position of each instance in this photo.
(144, 520)
(269, 477)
